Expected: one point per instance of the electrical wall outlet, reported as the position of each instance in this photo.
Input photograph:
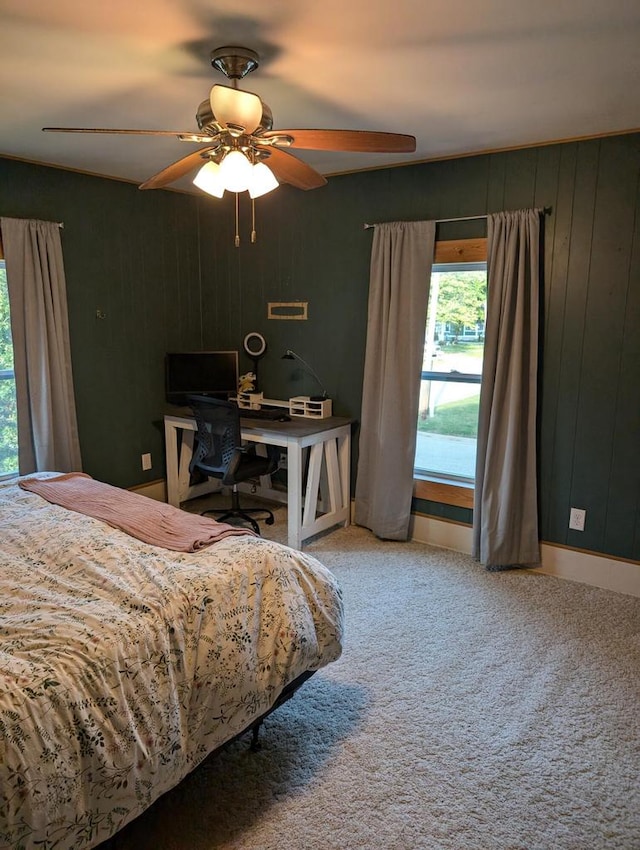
(146, 461)
(576, 519)
(282, 462)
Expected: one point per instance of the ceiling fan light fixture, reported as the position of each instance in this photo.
(236, 171)
(236, 128)
(263, 180)
(210, 180)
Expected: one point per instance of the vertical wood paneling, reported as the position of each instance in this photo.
(121, 250)
(630, 496)
(520, 179)
(554, 318)
(603, 328)
(563, 365)
(623, 498)
(164, 268)
(546, 195)
(496, 183)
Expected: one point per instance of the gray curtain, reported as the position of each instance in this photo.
(505, 516)
(47, 427)
(401, 259)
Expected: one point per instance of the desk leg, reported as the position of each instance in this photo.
(335, 499)
(312, 485)
(171, 448)
(294, 490)
(186, 453)
(179, 450)
(344, 455)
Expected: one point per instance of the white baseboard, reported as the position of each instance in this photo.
(560, 561)
(590, 568)
(437, 532)
(154, 490)
(571, 564)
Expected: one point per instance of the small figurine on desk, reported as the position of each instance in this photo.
(247, 382)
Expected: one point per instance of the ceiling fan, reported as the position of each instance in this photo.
(242, 150)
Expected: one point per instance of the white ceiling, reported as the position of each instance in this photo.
(460, 75)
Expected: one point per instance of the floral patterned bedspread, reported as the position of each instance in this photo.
(123, 665)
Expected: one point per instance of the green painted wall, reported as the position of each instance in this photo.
(163, 269)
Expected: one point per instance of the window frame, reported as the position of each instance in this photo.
(440, 489)
(6, 375)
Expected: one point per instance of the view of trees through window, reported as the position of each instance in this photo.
(8, 412)
(451, 372)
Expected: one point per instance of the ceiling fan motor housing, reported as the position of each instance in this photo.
(235, 62)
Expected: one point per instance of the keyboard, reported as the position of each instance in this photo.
(272, 414)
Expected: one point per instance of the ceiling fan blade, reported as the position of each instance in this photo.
(176, 170)
(363, 141)
(236, 109)
(289, 169)
(121, 132)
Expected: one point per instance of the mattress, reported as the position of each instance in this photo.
(123, 665)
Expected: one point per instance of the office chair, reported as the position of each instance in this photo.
(218, 453)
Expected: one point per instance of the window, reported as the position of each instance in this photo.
(447, 425)
(8, 407)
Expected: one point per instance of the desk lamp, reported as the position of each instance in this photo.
(291, 355)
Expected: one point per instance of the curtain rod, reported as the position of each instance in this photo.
(545, 210)
(442, 220)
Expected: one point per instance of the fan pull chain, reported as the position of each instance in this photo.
(253, 220)
(237, 239)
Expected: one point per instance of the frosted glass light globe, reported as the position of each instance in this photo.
(209, 179)
(236, 171)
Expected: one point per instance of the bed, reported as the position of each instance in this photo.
(123, 664)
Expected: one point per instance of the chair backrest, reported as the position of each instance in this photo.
(218, 437)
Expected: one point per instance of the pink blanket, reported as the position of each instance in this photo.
(141, 517)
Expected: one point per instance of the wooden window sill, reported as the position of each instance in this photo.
(440, 491)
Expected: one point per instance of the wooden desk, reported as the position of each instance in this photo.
(328, 471)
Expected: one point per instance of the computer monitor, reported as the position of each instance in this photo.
(212, 373)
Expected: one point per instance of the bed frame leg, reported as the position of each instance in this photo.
(255, 743)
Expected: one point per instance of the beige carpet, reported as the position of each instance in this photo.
(475, 710)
